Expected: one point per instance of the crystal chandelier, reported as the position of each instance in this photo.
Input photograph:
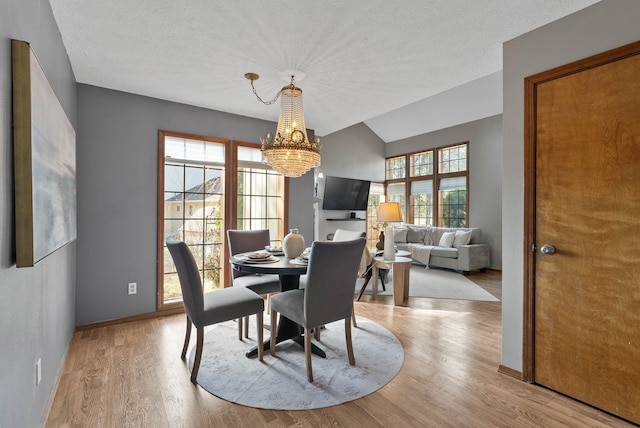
(289, 152)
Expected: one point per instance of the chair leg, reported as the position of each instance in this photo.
(307, 353)
(363, 287)
(239, 328)
(316, 333)
(268, 304)
(347, 332)
(260, 327)
(381, 275)
(196, 361)
(246, 327)
(186, 339)
(353, 314)
(272, 348)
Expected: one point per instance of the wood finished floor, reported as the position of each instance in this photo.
(131, 375)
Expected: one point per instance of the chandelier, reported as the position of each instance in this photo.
(289, 151)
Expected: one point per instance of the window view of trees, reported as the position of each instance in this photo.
(454, 213)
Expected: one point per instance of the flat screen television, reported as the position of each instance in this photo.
(345, 194)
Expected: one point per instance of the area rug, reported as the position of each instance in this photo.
(280, 382)
(437, 284)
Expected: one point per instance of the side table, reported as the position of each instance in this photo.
(401, 269)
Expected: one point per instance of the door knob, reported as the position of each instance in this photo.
(548, 249)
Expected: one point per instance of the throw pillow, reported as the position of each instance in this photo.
(400, 235)
(462, 238)
(428, 236)
(416, 234)
(447, 239)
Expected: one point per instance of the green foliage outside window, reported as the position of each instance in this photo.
(454, 209)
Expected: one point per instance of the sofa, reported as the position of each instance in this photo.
(459, 249)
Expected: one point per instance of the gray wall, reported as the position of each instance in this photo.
(354, 152)
(603, 26)
(36, 304)
(485, 172)
(117, 193)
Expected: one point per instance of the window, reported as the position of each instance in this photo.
(206, 185)
(422, 202)
(421, 164)
(452, 188)
(422, 179)
(376, 196)
(194, 172)
(260, 195)
(396, 168)
(452, 202)
(396, 193)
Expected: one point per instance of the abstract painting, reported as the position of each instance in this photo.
(44, 162)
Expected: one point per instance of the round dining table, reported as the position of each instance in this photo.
(289, 271)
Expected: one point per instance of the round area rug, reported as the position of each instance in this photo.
(280, 382)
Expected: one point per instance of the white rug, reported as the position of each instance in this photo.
(280, 382)
(435, 283)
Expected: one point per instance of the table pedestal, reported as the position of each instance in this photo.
(288, 329)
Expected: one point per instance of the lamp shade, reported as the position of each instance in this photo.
(389, 212)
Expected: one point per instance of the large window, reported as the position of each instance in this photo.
(206, 185)
(194, 172)
(419, 177)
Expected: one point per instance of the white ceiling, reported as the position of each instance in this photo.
(361, 59)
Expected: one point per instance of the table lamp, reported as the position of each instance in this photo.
(389, 212)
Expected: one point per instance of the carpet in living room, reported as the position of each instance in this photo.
(436, 284)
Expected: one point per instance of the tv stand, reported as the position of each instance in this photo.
(346, 219)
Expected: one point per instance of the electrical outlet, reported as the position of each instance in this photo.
(38, 371)
(133, 288)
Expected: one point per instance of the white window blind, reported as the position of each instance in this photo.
(423, 187)
(455, 183)
(395, 189)
(376, 189)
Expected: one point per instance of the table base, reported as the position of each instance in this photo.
(287, 330)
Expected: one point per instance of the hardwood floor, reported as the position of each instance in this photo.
(131, 375)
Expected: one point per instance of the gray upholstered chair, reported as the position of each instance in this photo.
(243, 241)
(216, 306)
(328, 295)
(365, 263)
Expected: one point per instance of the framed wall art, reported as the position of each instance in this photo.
(44, 162)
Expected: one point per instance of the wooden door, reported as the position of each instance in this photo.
(586, 295)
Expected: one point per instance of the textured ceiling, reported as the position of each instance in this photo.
(361, 59)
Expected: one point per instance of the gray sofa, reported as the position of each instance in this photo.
(461, 250)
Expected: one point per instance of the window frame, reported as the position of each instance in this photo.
(229, 211)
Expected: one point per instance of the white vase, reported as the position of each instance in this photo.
(389, 245)
(293, 244)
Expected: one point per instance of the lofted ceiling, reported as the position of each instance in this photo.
(368, 61)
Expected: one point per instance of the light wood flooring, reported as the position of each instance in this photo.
(131, 375)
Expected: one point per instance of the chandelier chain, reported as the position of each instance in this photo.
(263, 101)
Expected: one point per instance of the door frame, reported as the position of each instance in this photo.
(530, 127)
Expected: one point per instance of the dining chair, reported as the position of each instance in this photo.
(364, 268)
(243, 241)
(203, 309)
(327, 297)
